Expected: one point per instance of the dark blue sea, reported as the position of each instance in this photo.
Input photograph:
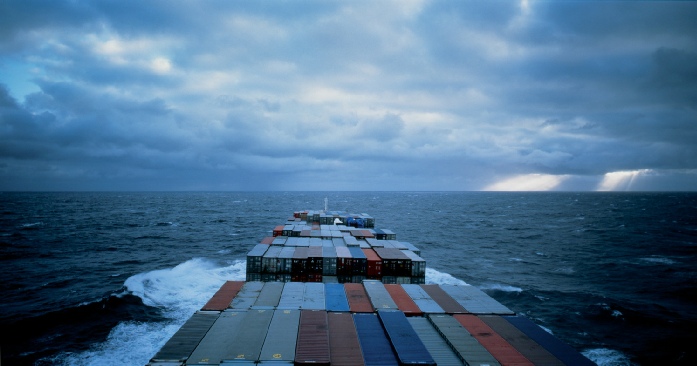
(107, 278)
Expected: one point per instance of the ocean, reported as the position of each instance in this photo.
(106, 278)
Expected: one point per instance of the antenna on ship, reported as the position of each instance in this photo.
(326, 204)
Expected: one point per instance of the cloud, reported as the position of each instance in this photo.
(415, 95)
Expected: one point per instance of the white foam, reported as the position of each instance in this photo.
(607, 357)
(178, 292)
(500, 287)
(441, 278)
(658, 260)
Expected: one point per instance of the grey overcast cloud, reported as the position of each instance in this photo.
(348, 95)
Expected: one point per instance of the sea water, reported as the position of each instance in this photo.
(107, 278)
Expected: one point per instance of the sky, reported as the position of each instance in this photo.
(348, 95)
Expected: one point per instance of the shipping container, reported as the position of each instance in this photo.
(344, 261)
(285, 260)
(278, 230)
(269, 262)
(329, 261)
(313, 297)
(247, 296)
(292, 296)
(374, 264)
(279, 241)
(506, 354)
(299, 266)
(418, 264)
(378, 295)
(475, 300)
(559, 349)
(314, 260)
(524, 344)
(223, 297)
(357, 298)
(269, 296)
(267, 240)
(411, 247)
(376, 347)
(281, 339)
(335, 297)
(403, 300)
(218, 340)
(461, 341)
(359, 264)
(312, 347)
(394, 262)
(444, 300)
(406, 343)
(435, 344)
(422, 299)
(345, 350)
(184, 341)
(249, 337)
(254, 257)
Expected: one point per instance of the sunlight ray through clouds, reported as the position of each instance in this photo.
(621, 180)
(528, 182)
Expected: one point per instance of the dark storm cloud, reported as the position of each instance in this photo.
(338, 95)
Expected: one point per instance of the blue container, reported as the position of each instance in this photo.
(374, 342)
(335, 297)
(410, 350)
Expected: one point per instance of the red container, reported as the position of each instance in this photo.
(374, 270)
(516, 338)
(267, 240)
(278, 230)
(358, 299)
(403, 300)
(343, 340)
(502, 351)
(312, 347)
(223, 297)
(444, 300)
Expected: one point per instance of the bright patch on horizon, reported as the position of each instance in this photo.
(621, 180)
(528, 182)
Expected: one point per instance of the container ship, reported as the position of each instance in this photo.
(329, 288)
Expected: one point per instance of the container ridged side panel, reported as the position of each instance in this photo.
(335, 297)
(313, 298)
(345, 350)
(559, 349)
(435, 344)
(403, 301)
(498, 347)
(465, 346)
(407, 344)
(357, 298)
(444, 300)
(313, 339)
(422, 299)
(475, 300)
(524, 344)
(246, 344)
(269, 296)
(292, 296)
(218, 340)
(280, 342)
(379, 296)
(224, 296)
(185, 340)
(376, 347)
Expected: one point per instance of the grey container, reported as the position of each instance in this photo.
(249, 337)
(292, 296)
(425, 303)
(475, 300)
(269, 296)
(279, 346)
(435, 344)
(378, 295)
(184, 341)
(313, 298)
(468, 349)
(247, 296)
(218, 340)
